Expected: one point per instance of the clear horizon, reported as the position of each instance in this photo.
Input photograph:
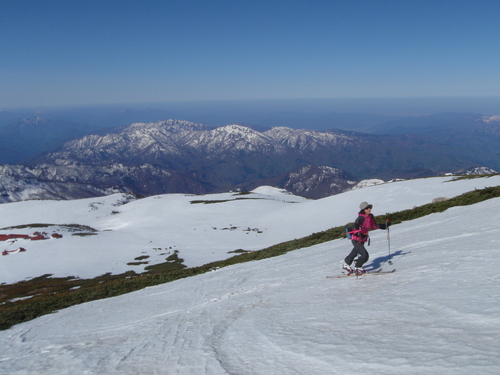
(402, 106)
(57, 53)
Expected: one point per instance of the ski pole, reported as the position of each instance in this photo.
(387, 223)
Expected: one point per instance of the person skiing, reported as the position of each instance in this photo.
(359, 236)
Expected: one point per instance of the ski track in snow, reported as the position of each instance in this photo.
(439, 313)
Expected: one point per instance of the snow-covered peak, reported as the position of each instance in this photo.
(271, 190)
(235, 131)
(236, 128)
(367, 183)
(479, 171)
(283, 195)
(170, 125)
(305, 138)
(230, 138)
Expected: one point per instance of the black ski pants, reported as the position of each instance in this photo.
(359, 249)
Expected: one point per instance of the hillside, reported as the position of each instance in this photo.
(436, 314)
(123, 228)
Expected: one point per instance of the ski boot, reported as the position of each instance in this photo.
(359, 271)
(347, 268)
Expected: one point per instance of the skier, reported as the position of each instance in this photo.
(359, 235)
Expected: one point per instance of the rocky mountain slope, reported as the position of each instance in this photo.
(176, 156)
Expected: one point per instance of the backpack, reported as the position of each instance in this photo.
(348, 233)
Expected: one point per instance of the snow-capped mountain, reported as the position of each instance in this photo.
(183, 157)
(181, 144)
(172, 139)
(477, 171)
(180, 156)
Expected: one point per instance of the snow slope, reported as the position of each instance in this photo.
(157, 226)
(439, 313)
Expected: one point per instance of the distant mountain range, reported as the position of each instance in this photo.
(184, 157)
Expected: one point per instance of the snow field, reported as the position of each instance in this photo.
(157, 226)
(438, 313)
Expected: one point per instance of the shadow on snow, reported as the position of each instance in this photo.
(378, 262)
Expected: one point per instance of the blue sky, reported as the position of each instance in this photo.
(102, 52)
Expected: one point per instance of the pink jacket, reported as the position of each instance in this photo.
(364, 223)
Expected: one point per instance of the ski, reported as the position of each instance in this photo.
(346, 274)
(381, 272)
(377, 272)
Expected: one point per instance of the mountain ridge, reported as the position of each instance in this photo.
(178, 156)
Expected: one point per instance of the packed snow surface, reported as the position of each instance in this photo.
(439, 313)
